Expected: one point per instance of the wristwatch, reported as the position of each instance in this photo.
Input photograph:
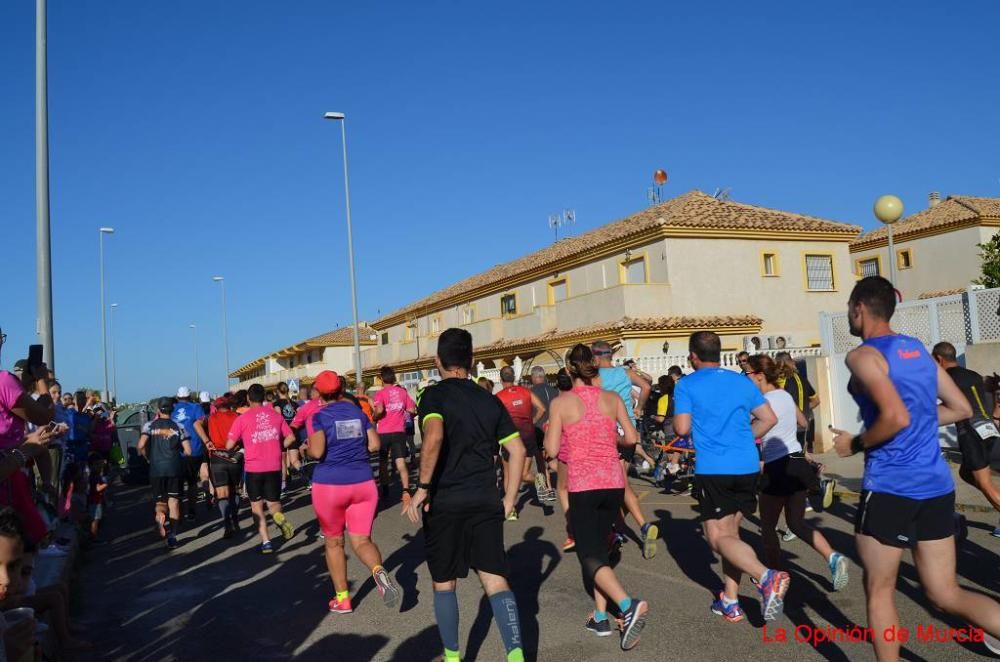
(423, 486)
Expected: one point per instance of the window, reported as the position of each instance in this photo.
(869, 267)
(411, 330)
(634, 271)
(769, 266)
(309, 357)
(558, 291)
(508, 304)
(904, 258)
(468, 315)
(385, 338)
(436, 324)
(819, 273)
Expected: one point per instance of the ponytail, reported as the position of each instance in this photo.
(580, 360)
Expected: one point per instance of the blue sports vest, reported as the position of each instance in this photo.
(617, 380)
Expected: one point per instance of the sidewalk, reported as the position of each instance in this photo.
(848, 472)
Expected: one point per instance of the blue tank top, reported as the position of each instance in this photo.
(909, 464)
(617, 380)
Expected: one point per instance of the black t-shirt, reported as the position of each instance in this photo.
(287, 409)
(164, 446)
(546, 394)
(801, 391)
(476, 424)
(971, 385)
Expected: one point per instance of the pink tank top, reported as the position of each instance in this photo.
(591, 447)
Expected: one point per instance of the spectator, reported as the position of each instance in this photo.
(18, 638)
(98, 485)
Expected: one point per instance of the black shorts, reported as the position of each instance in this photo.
(787, 475)
(456, 540)
(266, 486)
(224, 473)
(976, 451)
(165, 487)
(720, 495)
(530, 444)
(192, 467)
(902, 522)
(394, 443)
(591, 514)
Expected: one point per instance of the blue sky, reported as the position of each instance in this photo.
(194, 128)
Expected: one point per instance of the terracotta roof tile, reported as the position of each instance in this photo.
(933, 294)
(954, 210)
(342, 336)
(693, 209)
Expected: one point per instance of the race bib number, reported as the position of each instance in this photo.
(986, 430)
(349, 429)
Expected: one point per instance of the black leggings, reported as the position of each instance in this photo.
(591, 514)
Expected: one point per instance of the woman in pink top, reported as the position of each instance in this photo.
(582, 430)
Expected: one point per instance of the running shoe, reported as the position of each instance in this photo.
(633, 621)
(287, 530)
(838, 570)
(991, 642)
(171, 542)
(600, 628)
(386, 587)
(266, 547)
(789, 536)
(731, 612)
(996, 532)
(228, 532)
(569, 545)
(340, 606)
(650, 532)
(540, 487)
(190, 516)
(773, 587)
(513, 516)
(809, 506)
(828, 486)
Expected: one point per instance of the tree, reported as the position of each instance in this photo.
(989, 253)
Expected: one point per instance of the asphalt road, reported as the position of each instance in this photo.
(213, 599)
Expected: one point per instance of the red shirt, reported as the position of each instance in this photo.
(218, 427)
(517, 401)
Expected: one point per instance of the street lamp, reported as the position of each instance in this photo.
(350, 250)
(225, 325)
(104, 336)
(114, 360)
(197, 377)
(888, 209)
(43, 243)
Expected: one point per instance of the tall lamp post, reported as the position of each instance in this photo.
(225, 325)
(197, 377)
(104, 335)
(888, 210)
(43, 243)
(114, 359)
(350, 250)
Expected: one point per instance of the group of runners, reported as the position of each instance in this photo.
(747, 432)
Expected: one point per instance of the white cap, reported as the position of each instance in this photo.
(204, 396)
(183, 392)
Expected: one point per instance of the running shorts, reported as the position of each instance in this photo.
(225, 473)
(457, 539)
(720, 495)
(266, 486)
(899, 521)
(591, 514)
(345, 506)
(165, 486)
(96, 511)
(787, 475)
(394, 443)
(976, 451)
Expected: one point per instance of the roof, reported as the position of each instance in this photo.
(606, 330)
(954, 212)
(338, 337)
(693, 211)
(934, 294)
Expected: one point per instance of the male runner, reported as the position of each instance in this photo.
(545, 393)
(976, 436)
(225, 466)
(263, 432)
(463, 513)
(390, 407)
(526, 411)
(620, 380)
(908, 495)
(161, 443)
(185, 413)
(289, 458)
(714, 406)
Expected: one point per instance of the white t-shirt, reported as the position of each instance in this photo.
(781, 439)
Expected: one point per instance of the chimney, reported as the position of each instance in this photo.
(933, 199)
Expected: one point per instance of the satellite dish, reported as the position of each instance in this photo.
(660, 177)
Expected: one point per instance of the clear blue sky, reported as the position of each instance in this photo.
(194, 128)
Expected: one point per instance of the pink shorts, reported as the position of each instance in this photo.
(351, 505)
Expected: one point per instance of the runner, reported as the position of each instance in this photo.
(620, 381)
(457, 497)
(787, 475)
(526, 411)
(714, 407)
(977, 435)
(564, 383)
(545, 393)
(263, 433)
(584, 422)
(162, 441)
(908, 494)
(302, 426)
(225, 466)
(344, 493)
(290, 458)
(186, 413)
(391, 405)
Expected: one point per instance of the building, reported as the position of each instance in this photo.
(935, 250)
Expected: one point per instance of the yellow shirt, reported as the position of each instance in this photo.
(662, 405)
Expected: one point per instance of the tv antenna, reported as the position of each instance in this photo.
(556, 221)
(722, 193)
(654, 194)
